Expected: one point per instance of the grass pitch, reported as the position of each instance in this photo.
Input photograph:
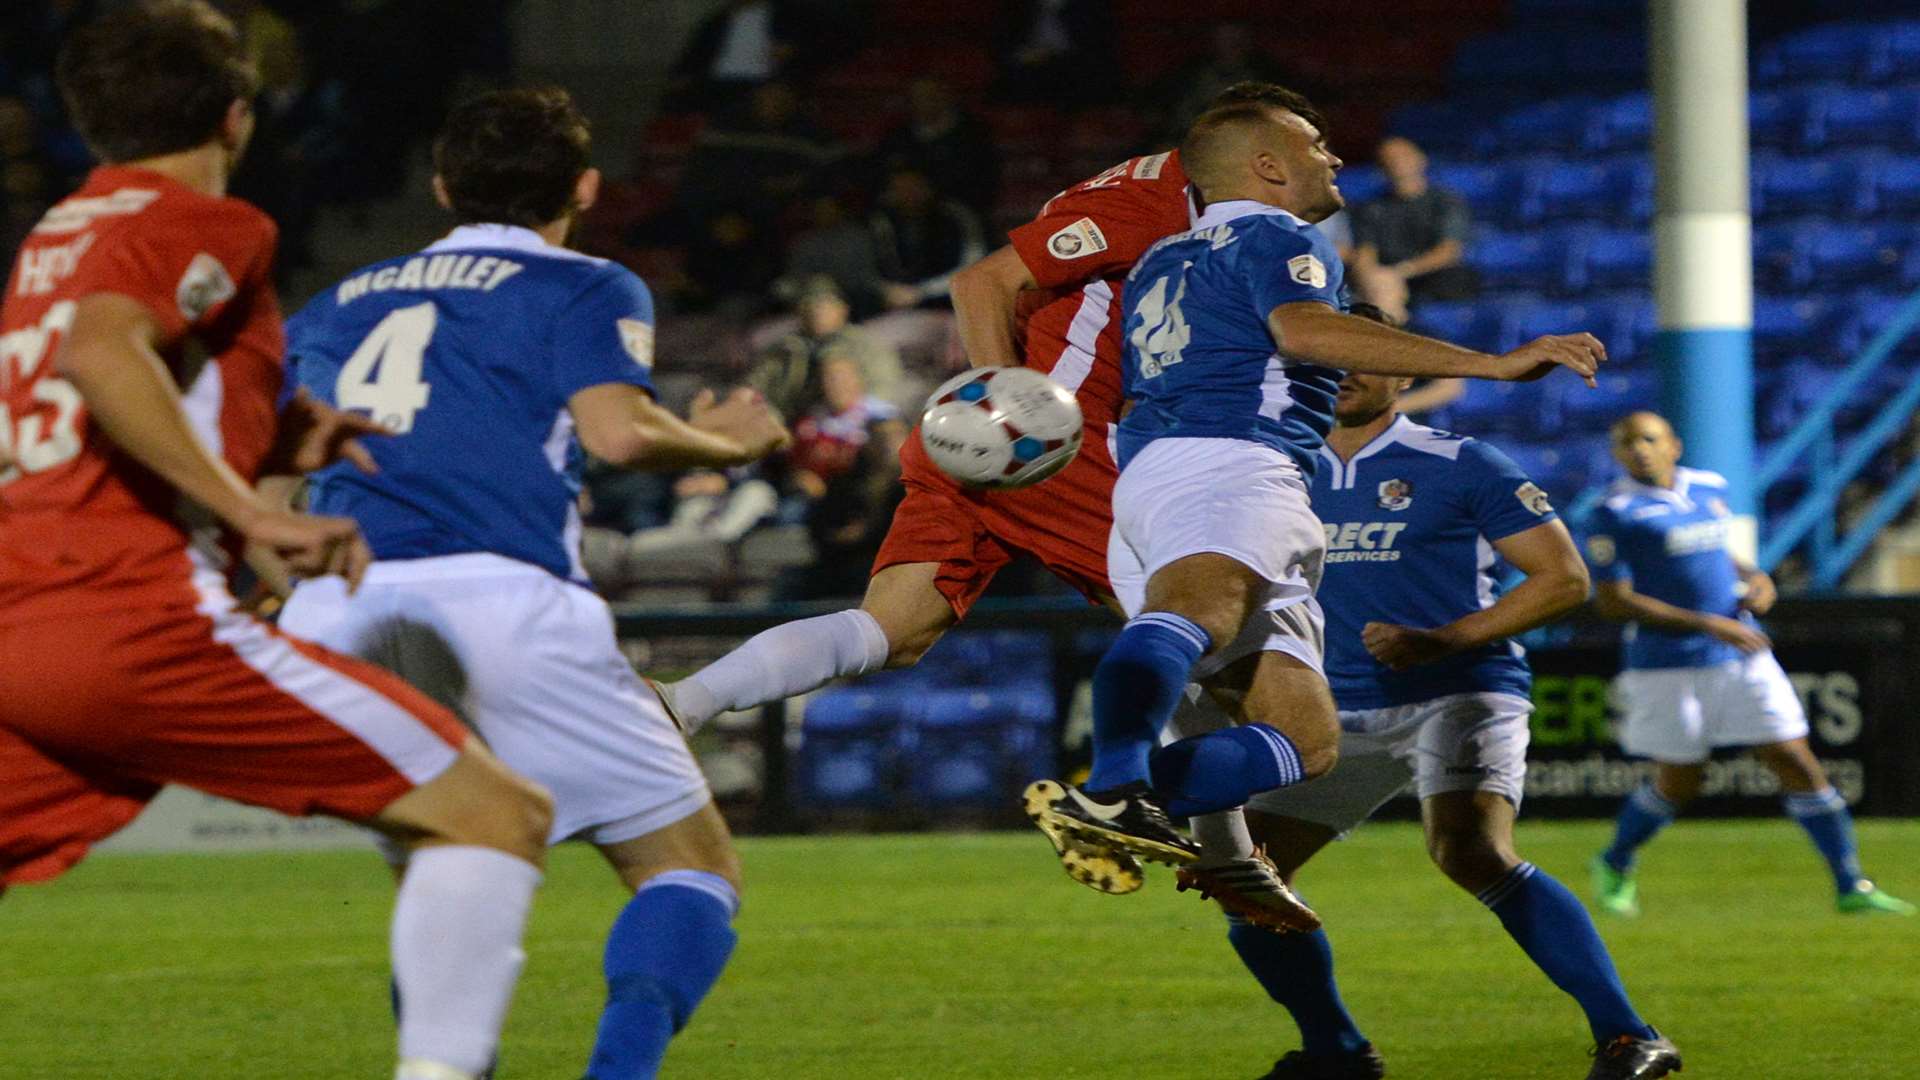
(973, 956)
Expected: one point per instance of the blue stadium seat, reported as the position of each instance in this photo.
(979, 747)
(1616, 193)
(1529, 409)
(1788, 326)
(1779, 254)
(1491, 189)
(1788, 186)
(1549, 125)
(1463, 322)
(1899, 56)
(1444, 127)
(1622, 124)
(1852, 254)
(1776, 119)
(988, 658)
(1528, 261)
(1864, 117)
(1518, 56)
(1865, 315)
(1833, 51)
(849, 748)
(1362, 184)
(1619, 393)
(1524, 322)
(1894, 187)
(1607, 58)
(1618, 258)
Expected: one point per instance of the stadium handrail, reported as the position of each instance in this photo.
(1817, 508)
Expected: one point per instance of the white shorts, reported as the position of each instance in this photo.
(531, 663)
(1461, 742)
(1679, 715)
(1181, 497)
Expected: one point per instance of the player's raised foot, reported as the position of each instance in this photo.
(1869, 899)
(1096, 866)
(1628, 1058)
(1362, 1064)
(1126, 819)
(1252, 889)
(1615, 891)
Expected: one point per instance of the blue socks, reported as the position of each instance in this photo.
(1824, 815)
(664, 953)
(1557, 934)
(1222, 769)
(1297, 971)
(1643, 814)
(1135, 689)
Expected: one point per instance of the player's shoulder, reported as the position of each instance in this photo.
(1701, 478)
(1414, 438)
(1153, 182)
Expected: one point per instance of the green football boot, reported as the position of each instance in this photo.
(1869, 899)
(1615, 891)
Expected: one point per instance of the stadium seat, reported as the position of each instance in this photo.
(979, 747)
(1894, 187)
(1776, 118)
(1362, 184)
(1619, 192)
(849, 748)
(1619, 393)
(971, 658)
(1898, 59)
(1779, 260)
(1864, 117)
(1528, 409)
(1834, 51)
(1866, 315)
(1787, 186)
(1852, 255)
(1549, 125)
(1443, 128)
(1785, 326)
(1491, 189)
(1617, 258)
(1622, 124)
(1518, 261)
(1463, 322)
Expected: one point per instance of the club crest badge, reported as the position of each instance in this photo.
(1395, 494)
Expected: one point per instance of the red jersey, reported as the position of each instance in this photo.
(82, 526)
(1079, 251)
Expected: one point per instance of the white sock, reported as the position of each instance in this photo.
(456, 952)
(1223, 837)
(789, 659)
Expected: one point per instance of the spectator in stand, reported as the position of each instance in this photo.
(839, 248)
(1408, 248)
(1232, 56)
(730, 267)
(755, 160)
(791, 373)
(950, 145)
(845, 465)
(744, 44)
(921, 240)
(1056, 52)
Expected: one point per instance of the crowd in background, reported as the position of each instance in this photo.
(828, 261)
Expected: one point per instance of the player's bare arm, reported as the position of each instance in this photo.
(985, 295)
(622, 425)
(1617, 600)
(1312, 331)
(1760, 593)
(110, 357)
(1556, 583)
(313, 435)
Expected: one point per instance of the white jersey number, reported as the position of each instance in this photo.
(36, 443)
(1163, 333)
(383, 374)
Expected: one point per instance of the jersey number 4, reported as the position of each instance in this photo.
(1161, 334)
(383, 374)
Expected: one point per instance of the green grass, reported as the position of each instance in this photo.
(971, 956)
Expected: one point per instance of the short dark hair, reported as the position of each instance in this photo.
(512, 157)
(154, 78)
(1272, 96)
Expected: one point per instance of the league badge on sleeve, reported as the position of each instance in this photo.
(637, 338)
(1308, 271)
(1077, 240)
(205, 286)
(1533, 498)
(1394, 494)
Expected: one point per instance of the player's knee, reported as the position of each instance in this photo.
(1470, 860)
(1318, 757)
(905, 650)
(1797, 769)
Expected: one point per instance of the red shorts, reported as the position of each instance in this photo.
(1062, 521)
(98, 711)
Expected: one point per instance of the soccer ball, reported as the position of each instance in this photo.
(1001, 427)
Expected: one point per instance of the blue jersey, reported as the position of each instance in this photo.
(1411, 522)
(1200, 361)
(1671, 543)
(470, 351)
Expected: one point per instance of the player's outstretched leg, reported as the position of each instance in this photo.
(1812, 801)
(668, 946)
(1651, 808)
(1470, 837)
(481, 836)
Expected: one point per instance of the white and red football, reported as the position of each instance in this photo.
(1001, 427)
